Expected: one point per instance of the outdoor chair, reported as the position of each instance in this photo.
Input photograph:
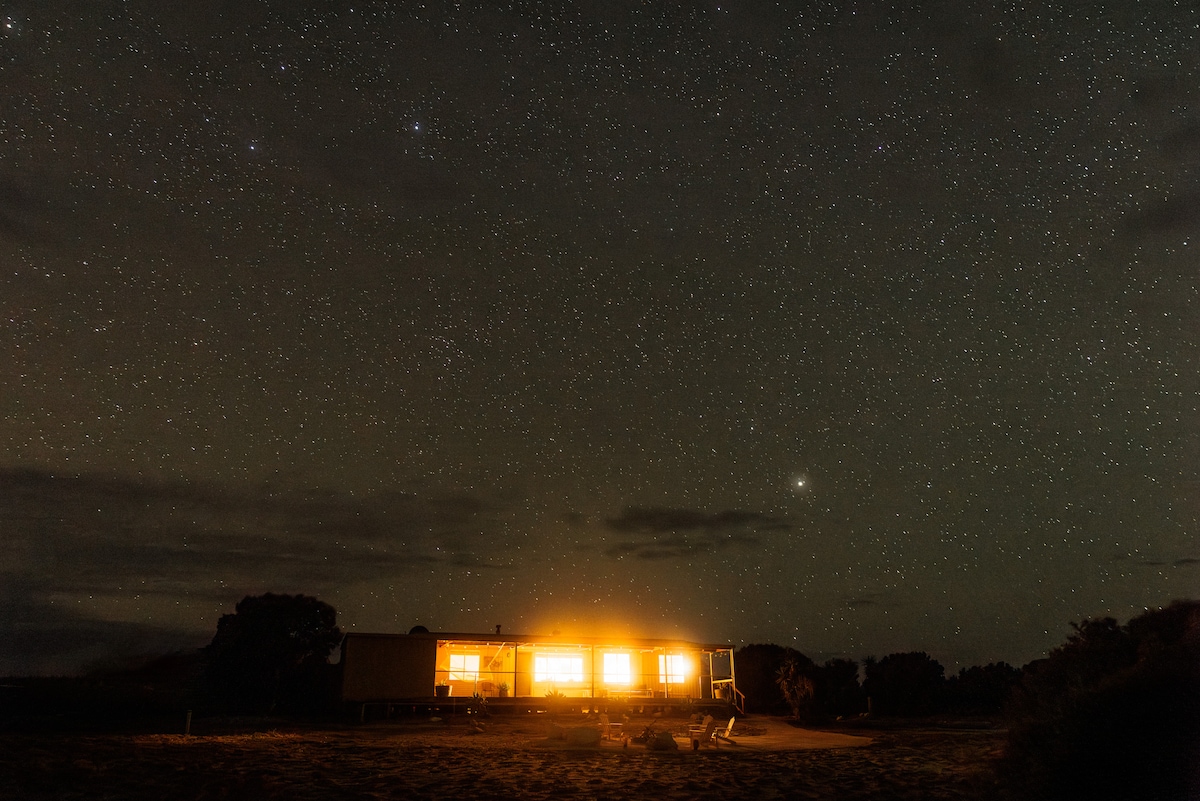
(608, 729)
(725, 735)
(699, 736)
(699, 724)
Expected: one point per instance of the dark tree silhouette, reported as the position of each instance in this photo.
(905, 684)
(1098, 648)
(837, 691)
(273, 653)
(1113, 713)
(796, 686)
(757, 668)
(981, 690)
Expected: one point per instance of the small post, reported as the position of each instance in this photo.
(187, 726)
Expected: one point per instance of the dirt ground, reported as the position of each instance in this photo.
(510, 758)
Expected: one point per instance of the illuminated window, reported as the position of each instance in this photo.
(616, 669)
(464, 667)
(671, 668)
(558, 668)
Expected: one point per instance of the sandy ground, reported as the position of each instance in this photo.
(511, 758)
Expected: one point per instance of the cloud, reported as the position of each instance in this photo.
(76, 532)
(1183, 141)
(1173, 214)
(44, 638)
(667, 533)
(89, 557)
(1157, 561)
(23, 212)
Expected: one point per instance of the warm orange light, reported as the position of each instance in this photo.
(558, 667)
(617, 669)
(464, 667)
(672, 668)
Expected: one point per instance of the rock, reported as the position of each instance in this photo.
(663, 741)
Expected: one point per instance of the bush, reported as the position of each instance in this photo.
(1114, 713)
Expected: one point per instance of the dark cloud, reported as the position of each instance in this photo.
(23, 212)
(1157, 561)
(659, 520)
(43, 634)
(667, 533)
(1179, 212)
(1184, 141)
(863, 599)
(574, 519)
(143, 546)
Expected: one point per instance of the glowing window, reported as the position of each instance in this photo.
(464, 667)
(671, 668)
(616, 669)
(558, 668)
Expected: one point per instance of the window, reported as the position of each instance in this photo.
(558, 668)
(464, 667)
(671, 668)
(616, 669)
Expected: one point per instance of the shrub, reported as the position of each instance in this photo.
(1114, 713)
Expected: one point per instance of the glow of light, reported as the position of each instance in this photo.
(617, 670)
(558, 668)
(672, 668)
(464, 667)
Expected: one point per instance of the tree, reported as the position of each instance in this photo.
(273, 652)
(905, 685)
(796, 687)
(981, 690)
(757, 666)
(836, 691)
(1113, 713)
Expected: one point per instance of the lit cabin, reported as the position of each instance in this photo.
(424, 666)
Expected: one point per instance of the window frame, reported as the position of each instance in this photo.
(558, 668)
(463, 671)
(621, 676)
(672, 668)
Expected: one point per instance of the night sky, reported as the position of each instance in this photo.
(852, 329)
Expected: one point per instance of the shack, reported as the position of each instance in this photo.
(423, 667)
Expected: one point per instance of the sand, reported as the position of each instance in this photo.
(510, 759)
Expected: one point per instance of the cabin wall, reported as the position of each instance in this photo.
(376, 668)
(524, 678)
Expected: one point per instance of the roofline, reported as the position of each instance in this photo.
(545, 639)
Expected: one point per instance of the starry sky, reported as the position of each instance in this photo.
(853, 327)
